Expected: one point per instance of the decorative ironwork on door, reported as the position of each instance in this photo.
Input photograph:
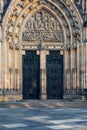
(54, 75)
(31, 75)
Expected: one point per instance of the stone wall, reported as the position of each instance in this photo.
(42, 25)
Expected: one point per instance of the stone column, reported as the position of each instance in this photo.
(1, 62)
(86, 56)
(78, 67)
(68, 72)
(43, 74)
(21, 53)
(0, 66)
(82, 68)
(73, 69)
(72, 66)
(43, 94)
(86, 65)
(16, 69)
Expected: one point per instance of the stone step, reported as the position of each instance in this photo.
(44, 104)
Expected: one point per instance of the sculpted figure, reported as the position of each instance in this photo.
(42, 27)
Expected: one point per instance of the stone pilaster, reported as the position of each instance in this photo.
(82, 67)
(0, 64)
(83, 71)
(43, 74)
(43, 93)
(20, 71)
(73, 69)
(67, 65)
(78, 68)
(86, 57)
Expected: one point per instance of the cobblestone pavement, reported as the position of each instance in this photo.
(43, 119)
(25, 116)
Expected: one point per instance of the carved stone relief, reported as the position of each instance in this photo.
(42, 27)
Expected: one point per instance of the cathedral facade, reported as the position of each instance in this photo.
(43, 49)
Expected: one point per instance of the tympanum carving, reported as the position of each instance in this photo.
(42, 27)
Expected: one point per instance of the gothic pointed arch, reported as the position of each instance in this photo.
(43, 26)
(64, 10)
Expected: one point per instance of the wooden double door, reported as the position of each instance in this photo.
(31, 75)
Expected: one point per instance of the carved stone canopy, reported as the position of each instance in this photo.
(43, 26)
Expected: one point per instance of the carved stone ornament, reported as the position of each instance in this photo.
(42, 27)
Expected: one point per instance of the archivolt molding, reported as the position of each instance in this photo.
(76, 19)
(64, 10)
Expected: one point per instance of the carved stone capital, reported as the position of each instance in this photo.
(31, 7)
(74, 45)
(11, 45)
(17, 46)
(42, 2)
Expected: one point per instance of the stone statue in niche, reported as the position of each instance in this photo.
(45, 24)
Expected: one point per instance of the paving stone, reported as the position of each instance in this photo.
(43, 118)
(14, 125)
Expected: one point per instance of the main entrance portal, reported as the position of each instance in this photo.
(35, 37)
(31, 75)
(54, 75)
(43, 73)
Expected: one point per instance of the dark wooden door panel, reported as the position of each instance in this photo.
(31, 75)
(54, 66)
